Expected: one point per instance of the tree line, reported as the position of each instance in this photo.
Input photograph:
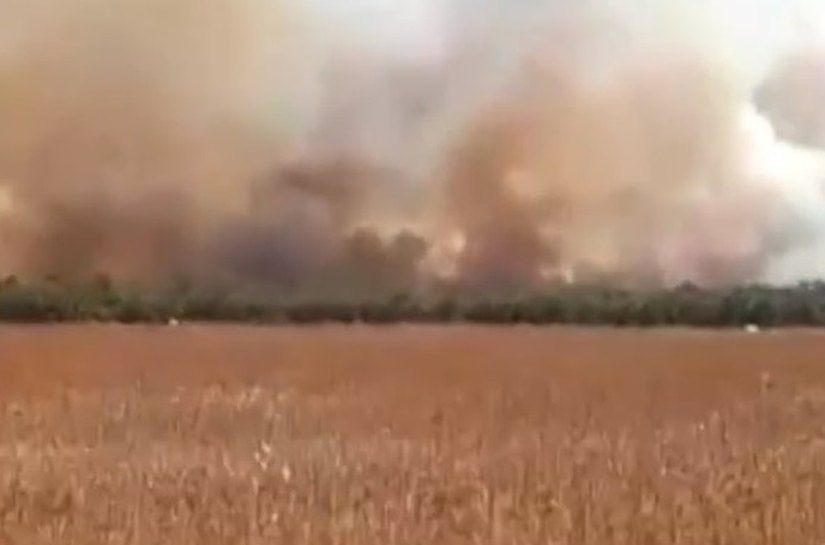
(101, 300)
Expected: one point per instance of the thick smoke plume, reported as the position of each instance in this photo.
(394, 145)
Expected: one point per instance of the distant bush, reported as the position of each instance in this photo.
(103, 300)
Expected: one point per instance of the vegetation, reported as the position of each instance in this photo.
(689, 305)
(410, 437)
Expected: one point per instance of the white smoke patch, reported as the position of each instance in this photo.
(797, 177)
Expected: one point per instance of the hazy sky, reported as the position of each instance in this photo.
(755, 32)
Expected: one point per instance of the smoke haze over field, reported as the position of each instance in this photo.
(354, 147)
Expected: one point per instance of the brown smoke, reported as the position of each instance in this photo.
(115, 153)
(132, 145)
(234, 142)
(563, 177)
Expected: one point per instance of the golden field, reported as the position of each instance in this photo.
(410, 435)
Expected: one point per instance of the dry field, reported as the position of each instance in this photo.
(230, 435)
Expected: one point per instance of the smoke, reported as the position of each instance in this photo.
(385, 145)
(793, 97)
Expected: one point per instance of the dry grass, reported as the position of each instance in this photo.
(420, 436)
